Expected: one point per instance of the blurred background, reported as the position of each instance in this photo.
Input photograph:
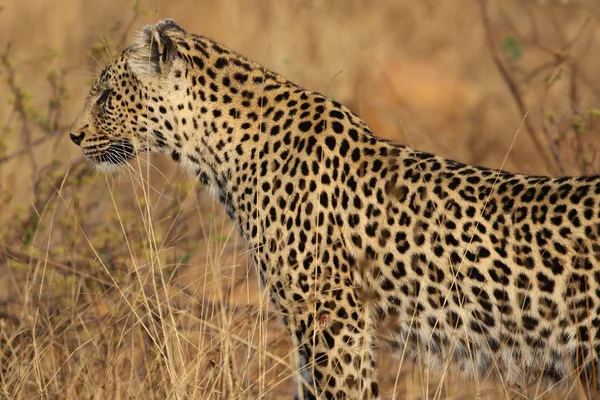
(136, 285)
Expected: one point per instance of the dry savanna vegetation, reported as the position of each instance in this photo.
(136, 285)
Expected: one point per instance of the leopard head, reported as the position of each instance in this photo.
(129, 108)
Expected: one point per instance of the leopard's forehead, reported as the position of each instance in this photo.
(101, 81)
(110, 71)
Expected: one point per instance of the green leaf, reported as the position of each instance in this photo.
(512, 48)
(578, 125)
(593, 112)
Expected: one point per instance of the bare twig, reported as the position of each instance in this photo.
(71, 269)
(571, 43)
(575, 109)
(553, 145)
(137, 12)
(513, 87)
(33, 144)
(522, 37)
(57, 87)
(19, 107)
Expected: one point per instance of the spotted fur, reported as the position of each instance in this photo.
(357, 239)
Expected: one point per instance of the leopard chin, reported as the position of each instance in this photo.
(115, 154)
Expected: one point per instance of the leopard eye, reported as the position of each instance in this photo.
(102, 98)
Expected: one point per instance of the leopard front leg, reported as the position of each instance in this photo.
(335, 348)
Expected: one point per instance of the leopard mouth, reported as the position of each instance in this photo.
(115, 153)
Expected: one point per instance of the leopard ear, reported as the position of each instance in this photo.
(154, 49)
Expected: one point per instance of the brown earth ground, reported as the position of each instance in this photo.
(136, 285)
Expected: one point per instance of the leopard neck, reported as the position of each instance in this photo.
(247, 129)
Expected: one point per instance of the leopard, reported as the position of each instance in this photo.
(363, 243)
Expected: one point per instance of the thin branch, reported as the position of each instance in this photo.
(35, 143)
(19, 107)
(513, 87)
(136, 14)
(28, 258)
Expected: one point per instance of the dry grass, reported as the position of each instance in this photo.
(136, 285)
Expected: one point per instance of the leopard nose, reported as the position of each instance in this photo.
(77, 139)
